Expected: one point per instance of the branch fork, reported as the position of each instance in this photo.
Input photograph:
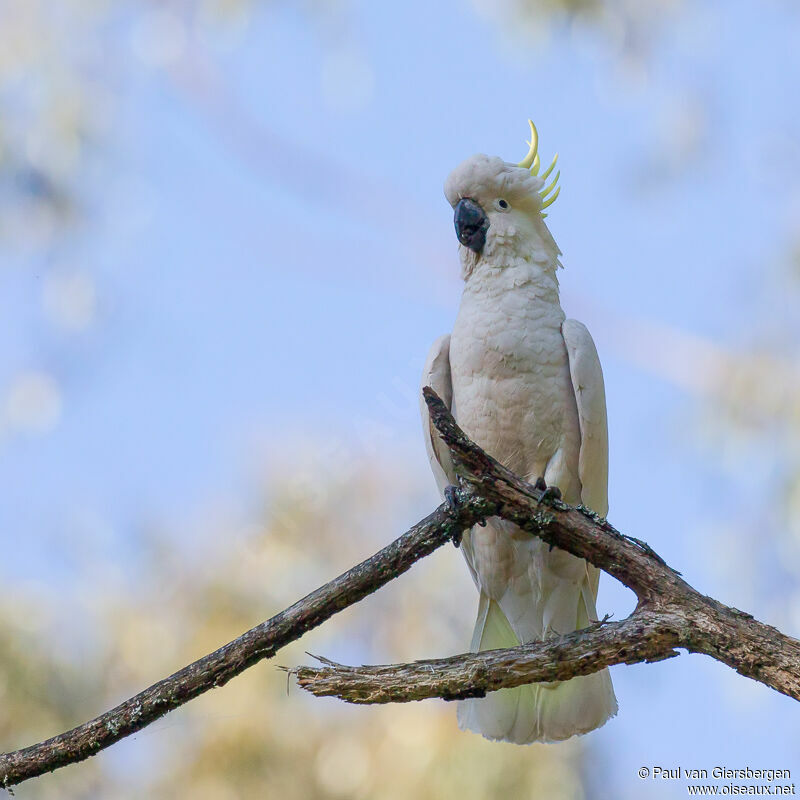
(670, 615)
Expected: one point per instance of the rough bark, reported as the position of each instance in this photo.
(670, 614)
(261, 642)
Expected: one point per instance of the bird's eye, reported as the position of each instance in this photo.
(501, 205)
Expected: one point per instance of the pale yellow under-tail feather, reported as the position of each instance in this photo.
(542, 712)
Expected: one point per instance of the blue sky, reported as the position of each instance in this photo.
(273, 258)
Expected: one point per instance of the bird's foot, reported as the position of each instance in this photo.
(454, 497)
(549, 493)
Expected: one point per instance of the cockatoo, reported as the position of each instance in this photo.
(525, 384)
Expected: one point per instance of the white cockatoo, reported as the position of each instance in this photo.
(525, 384)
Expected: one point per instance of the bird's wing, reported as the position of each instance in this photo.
(437, 375)
(590, 396)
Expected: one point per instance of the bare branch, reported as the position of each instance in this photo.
(261, 642)
(475, 674)
(670, 613)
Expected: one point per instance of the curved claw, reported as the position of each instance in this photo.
(550, 494)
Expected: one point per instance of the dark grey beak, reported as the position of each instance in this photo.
(471, 224)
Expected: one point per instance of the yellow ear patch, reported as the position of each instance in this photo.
(532, 162)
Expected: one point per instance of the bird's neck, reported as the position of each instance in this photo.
(494, 278)
(511, 261)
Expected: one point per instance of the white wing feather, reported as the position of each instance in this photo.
(590, 395)
(437, 375)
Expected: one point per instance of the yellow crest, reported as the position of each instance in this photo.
(531, 162)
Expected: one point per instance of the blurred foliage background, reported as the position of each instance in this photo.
(121, 317)
(260, 736)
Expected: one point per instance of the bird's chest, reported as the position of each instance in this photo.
(510, 374)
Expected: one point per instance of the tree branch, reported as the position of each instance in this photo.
(670, 614)
(647, 639)
(261, 642)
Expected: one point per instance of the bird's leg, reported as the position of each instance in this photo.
(549, 493)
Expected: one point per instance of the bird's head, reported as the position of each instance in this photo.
(499, 208)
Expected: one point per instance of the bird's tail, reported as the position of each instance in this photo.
(540, 712)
